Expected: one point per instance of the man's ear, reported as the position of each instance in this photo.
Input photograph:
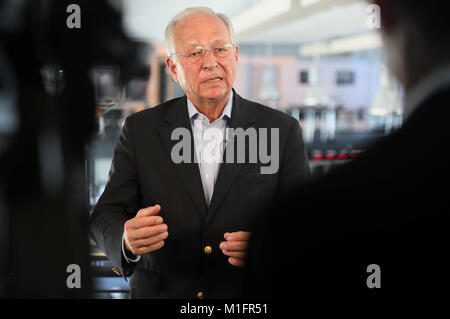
(171, 66)
(236, 53)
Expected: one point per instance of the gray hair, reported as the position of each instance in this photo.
(190, 12)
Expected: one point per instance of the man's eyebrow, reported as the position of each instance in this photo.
(193, 45)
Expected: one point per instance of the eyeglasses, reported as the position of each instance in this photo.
(196, 54)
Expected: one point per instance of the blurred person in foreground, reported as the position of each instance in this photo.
(181, 228)
(378, 227)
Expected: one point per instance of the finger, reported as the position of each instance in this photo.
(150, 240)
(140, 222)
(149, 211)
(235, 254)
(239, 235)
(144, 250)
(145, 232)
(236, 262)
(234, 245)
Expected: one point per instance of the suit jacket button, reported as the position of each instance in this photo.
(207, 250)
(200, 295)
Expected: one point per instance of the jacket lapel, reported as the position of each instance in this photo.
(240, 117)
(177, 116)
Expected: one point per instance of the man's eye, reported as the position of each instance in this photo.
(220, 49)
(193, 54)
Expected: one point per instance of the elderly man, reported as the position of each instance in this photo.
(381, 231)
(180, 221)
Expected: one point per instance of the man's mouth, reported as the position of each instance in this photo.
(216, 79)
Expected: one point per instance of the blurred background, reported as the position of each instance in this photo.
(321, 61)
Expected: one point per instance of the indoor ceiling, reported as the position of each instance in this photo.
(324, 19)
(147, 19)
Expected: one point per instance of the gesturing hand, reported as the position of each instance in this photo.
(145, 232)
(235, 247)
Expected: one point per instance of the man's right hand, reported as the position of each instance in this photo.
(145, 232)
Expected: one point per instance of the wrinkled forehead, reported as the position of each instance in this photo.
(200, 30)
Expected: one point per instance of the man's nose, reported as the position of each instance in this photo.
(209, 60)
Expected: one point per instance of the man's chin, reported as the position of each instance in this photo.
(216, 94)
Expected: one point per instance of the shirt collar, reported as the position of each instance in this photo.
(192, 110)
(433, 82)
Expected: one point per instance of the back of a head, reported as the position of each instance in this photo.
(428, 16)
(417, 37)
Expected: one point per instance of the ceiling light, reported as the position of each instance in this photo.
(259, 13)
(367, 41)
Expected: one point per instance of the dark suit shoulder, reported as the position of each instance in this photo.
(267, 114)
(153, 114)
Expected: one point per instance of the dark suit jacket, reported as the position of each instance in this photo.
(143, 174)
(389, 207)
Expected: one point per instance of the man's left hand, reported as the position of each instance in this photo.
(235, 247)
